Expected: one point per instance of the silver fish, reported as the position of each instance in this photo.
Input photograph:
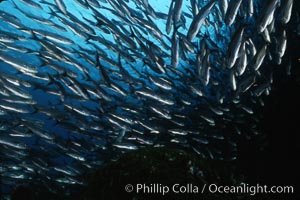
(199, 19)
(232, 11)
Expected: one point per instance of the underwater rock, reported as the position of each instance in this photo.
(159, 168)
(22, 193)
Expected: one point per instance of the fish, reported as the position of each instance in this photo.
(199, 19)
(234, 47)
(232, 11)
(232, 80)
(259, 57)
(175, 48)
(83, 83)
(204, 73)
(61, 6)
(177, 10)
(223, 5)
(170, 18)
(17, 64)
(194, 5)
(242, 63)
(4, 141)
(281, 45)
(268, 15)
(150, 94)
(286, 11)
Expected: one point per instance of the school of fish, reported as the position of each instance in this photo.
(83, 81)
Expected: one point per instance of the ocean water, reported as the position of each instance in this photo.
(83, 82)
